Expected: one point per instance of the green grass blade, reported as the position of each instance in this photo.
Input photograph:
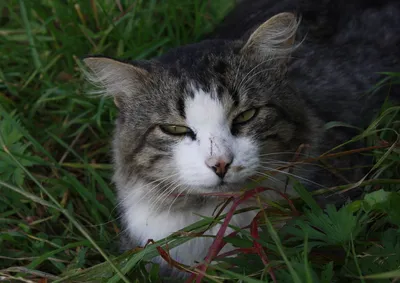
(35, 55)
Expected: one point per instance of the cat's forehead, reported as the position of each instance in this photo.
(207, 108)
(195, 57)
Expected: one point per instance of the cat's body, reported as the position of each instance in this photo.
(206, 117)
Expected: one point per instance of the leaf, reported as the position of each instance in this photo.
(305, 274)
(380, 257)
(81, 257)
(335, 124)
(239, 242)
(339, 226)
(394, 208)
(154, 273)
(12, 140)
(384, 201)
(385, 275)
(241, 277)
(376, 200)
(306, 197)
(327, 273)
(328, 227)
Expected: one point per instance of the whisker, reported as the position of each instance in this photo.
(285, 162)
(253, 69)
(165, 181)
(237, 71)
(174, 199)
(150, 191)
(297, 166)
(163, 196)
(284, 152)
(255, 74)
(257, 66)
(134, 191)
(293, 175)
(159, 183)
(266, 160)
(270, 177)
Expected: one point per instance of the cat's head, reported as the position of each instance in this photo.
(206, 116)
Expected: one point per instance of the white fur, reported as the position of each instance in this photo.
(143, 224)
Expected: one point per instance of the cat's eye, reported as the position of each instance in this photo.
(176, 130)
(245, 116)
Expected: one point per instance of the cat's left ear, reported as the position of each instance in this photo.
(273, 39)
(114, 78)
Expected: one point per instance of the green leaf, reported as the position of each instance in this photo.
(13, 142)
(385, 275)
(234, 275)
(327, 273)
(376, 200)
(387, 202)
(335, 124)
(306, 197)
(238, 241)
(328, 227)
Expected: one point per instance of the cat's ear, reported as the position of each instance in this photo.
(114, 78)
(274, 38)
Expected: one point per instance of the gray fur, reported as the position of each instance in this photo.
(296, 91)
(345, 44)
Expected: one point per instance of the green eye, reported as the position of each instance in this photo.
(245, 116)
(175, 130)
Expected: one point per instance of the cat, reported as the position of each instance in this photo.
(206, 117)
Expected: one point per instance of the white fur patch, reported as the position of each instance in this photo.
(207, 117)
(143, 224)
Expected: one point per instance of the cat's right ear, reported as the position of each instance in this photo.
(273, 39)
(114, 78)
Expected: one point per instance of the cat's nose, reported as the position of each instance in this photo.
(219, 166)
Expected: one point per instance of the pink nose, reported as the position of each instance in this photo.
(220, 167)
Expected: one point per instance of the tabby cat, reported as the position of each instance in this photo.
(207, 117)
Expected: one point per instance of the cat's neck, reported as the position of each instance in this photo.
(146, 218)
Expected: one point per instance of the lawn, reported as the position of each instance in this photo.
(58, 217)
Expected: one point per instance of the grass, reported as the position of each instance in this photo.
(58, 221)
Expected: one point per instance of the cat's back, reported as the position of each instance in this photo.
(345, 46)
(321, 19)
(336, 72)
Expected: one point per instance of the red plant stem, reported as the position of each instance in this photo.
(191, 278)
(218, 243)
(259, 248)
(165, 255)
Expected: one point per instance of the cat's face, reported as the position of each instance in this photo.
(204, 117)
(219, 149)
